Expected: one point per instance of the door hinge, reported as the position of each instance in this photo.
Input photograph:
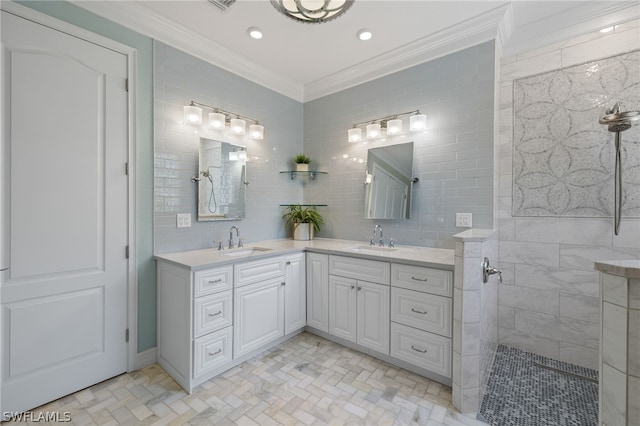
(126, 168)
(126, 251)
(126, 84)
(126, 335)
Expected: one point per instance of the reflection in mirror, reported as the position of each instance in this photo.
(388, 182)
(222, 186)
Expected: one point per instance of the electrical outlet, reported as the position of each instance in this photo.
(183, 220)
(463, 220)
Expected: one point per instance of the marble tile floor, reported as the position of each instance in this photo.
(307, 380)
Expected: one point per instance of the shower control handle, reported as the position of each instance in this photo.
(487, 270)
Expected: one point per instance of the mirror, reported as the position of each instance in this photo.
(222, 184)
(388, 182)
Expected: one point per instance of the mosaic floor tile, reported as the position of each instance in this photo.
(521, 392)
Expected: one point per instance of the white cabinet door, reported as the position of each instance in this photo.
(373, 316)
(258, 315)
(295, 297)
(318, 291)
(342, 307)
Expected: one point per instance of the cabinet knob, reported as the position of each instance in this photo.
(352, 287)
(288, 262)
(283, 283)
(359, 288)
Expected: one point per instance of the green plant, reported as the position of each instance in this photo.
(301, 159)
(296, 213)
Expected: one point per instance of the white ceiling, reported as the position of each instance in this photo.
(307, 61)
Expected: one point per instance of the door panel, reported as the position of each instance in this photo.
(64, 300)
(373, 316)
(342, 307)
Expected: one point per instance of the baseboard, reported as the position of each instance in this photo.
(145, 358)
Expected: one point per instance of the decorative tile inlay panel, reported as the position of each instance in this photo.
(563, 159)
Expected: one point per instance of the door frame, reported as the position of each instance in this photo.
(131, 55)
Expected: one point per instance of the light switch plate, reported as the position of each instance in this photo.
(183, 220)
(463, 220)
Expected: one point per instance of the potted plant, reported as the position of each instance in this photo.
(302, 162)
(304, 221)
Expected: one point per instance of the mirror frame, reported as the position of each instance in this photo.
(232, 203)
(382, 168)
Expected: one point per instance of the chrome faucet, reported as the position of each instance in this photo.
(237, 235)
(381, 241)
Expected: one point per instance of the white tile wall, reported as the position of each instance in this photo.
(180, 78)
(549, 302)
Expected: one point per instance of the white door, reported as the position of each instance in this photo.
(342, 307)
(258, 315)
(64, 213)
(318, 291)
(295, 296)
(373, 316)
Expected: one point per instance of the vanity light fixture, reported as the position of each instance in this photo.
(221, 119)
(390, 125)
(312, 11)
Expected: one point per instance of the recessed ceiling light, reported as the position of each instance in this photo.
(364, 34)
(606, 30)
(255, 32)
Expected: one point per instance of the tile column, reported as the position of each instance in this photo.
(619, 388)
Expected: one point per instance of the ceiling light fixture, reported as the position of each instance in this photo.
(312, 11)
(364, 34)
(219, 119)
(390, 125)
(255, 33)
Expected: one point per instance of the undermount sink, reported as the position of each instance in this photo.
(371, 248)
(245, 251)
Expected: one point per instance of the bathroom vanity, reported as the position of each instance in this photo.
(217, 309)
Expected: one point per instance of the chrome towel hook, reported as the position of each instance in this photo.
(488, 270)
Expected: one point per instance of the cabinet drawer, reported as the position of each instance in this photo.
(212, 351)
(418, 278)
(425, 311)
(213, 280)
(258, 270)
(359, 269)
(212, 313)
(420, 348)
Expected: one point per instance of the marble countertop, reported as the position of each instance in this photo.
(211, 257)
(622, 268)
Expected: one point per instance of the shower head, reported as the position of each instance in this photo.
(618, 121)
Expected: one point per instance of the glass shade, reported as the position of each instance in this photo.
(355, 134)
(394, 127)
(217, 120)
(373, 130)
(192, 114)
(417, 122)
(238, 126)
(256, 131)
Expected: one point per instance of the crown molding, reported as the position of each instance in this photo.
(160, 28)
(468, 33)
(571, 23)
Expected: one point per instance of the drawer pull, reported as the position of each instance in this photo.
(216, 314)
(215, 281)
(216, 352)
(424, 280)
(418, 312)
(422, 351)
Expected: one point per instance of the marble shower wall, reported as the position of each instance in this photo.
(563, 160)
(548, 303)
